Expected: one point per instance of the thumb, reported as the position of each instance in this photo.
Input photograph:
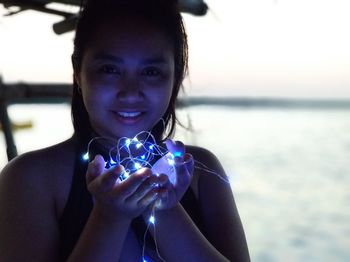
(176, 148)
(184, 170)
(189, 162)
(95, 168)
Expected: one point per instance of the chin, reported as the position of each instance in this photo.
(127, 133)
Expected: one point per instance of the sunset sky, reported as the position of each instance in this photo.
(254, 48)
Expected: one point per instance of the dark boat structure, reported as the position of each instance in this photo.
(69, 18)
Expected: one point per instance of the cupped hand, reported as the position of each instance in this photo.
(169, 194)
(115, 198)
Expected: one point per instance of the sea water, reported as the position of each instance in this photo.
(289, 171)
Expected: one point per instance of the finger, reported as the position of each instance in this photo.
(147, 186)
(152, 181)
(109, 179)
(148, 199)
(129, 186)
(184, 171)
(166, 195)
(189, 162)
(106, 181)
(176, 148)
(164, 182)
(95, 168)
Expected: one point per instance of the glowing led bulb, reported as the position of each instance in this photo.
(171, 161)
(138, 145)
(177, 154)
(128, 142)
(112, 162)
(152, 220)
(86, 156)
(124, 175)
(137, 165)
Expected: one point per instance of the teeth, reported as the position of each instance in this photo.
(129, 114)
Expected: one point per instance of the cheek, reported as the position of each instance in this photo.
(164, 100)
(93, 99)
(94, 93)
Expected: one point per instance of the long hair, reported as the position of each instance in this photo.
(163, 15)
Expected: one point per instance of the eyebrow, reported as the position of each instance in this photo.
(116, 59)
(104, 56)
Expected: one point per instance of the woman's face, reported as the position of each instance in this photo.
(126, 77)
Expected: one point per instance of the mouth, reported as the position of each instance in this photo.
(129, 114)
(129, 117)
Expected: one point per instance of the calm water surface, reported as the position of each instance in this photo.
(289, 171)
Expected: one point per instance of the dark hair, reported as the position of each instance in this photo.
(163, 14)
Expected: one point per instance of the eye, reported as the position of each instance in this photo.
(151, 71)
(110, 69)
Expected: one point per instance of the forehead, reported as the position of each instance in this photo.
(128, 35)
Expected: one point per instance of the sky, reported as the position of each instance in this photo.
(241, 48)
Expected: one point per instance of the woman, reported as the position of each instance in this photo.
(129, 61)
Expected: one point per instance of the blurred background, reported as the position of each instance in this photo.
(268, 93)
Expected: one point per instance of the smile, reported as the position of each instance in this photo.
(129, 114)
(129, 118)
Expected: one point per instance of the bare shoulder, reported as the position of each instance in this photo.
(28, 206)
(40, 168)
(209, 175)
(205, 160)
(218, 208)
(198, 151)
(212, 179)
(45, 172)
(39, 160)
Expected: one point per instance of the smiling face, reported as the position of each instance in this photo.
(126, 77)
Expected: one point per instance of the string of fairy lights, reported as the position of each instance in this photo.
(142, 151)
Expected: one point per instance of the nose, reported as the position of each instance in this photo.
(130, 91)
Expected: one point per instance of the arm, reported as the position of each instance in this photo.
(102, 239)
(178, 237)
(116, 204)
(28, 226)
(220, 215)
(28, 218)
